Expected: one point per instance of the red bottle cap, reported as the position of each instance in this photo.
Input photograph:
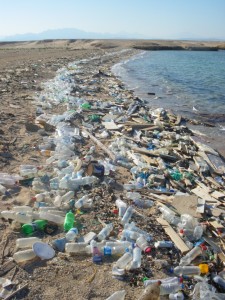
(148, 250)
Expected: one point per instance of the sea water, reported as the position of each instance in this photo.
(190, 83)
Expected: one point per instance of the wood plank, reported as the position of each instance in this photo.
(111, 125)
(200, 192)
(218, 195)
(173, 235)
(216, 225)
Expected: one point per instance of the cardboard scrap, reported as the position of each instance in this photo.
(186, 204)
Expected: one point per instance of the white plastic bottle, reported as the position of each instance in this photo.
(25, 255)
(119, 295)
(136, 262)
(71, 234)
(26, 242)
(169, 215)
(122, 206)
(68, 196)
(127, 216)
(52, 218)
(105, 232)
(187, 270)
(76, 248)
(85, 201)
(23, 218)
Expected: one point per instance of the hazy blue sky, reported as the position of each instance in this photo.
(152, 18)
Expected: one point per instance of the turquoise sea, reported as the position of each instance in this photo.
(191, 83)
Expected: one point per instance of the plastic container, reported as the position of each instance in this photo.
(119, 295)
(52, 218)
(122, 206)
(26, 242)
(76, 248)
(124, 260)
(69, 221)
(127, 216)
(23, 256)
(105, 232)
(29, 229)
(71, 234)
(187, 270)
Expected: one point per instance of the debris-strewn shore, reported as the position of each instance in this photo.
(91, 149)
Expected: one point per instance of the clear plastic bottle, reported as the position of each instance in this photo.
(127, 216)
(191, 255)
(2, 190)
(23, 218)
(122, 206)
(163, 244)
(25, 255)
(58, 201)
(23, 209)
(130, 235)
(169, 215)
(8, 214)
(26, 242)
(68, 196)
(76, 248)
(124, 260)
(164, 280)
(133, 195)
(187, 270)
(85, 201)
(105, 232)
(136, 262)
(143, 203)
(169, 288)
(142, 243)
(133, 227)
(71, 234)
(52, 218)
(119, 295)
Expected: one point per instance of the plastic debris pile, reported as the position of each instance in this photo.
(123, 183)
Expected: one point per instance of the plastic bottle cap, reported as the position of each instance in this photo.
(203, 247)
(115, 211)
(148, 250)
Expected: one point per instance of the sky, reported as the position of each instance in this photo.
(166, 19)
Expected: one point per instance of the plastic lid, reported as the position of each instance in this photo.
(148, 250)
(43, 250)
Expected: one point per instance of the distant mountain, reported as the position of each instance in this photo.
(70, 33)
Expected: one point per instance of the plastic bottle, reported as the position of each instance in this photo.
(169, 215)
(187, 270)
(177, 296)
(142, 243)
(163, 244)
(136, 262)
(220, 281)
(8, 214)
(69, 221)
(122, 206)
(96, 255)
(130, 235)
(23, 209)
(143, 203)
(151, 292)
(23, 218)
(127, 216)
(85, 201)
(26, 242)
(164, 280)
(105, 232)
(76, 248)
(191, 255)
(29, 229)
(119, 244)
(68, 196)
(72, 234)
(52, 218)
(24, 255)
(58, 201)
(133, 195)
(119, 295)
(169, 288)
(124, 260)
(133, 227)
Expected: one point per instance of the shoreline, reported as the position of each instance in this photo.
(67, 275)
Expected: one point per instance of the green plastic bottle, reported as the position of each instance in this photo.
(29, 229)
(69, 221)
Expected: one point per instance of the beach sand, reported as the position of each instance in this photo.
(23, 67)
